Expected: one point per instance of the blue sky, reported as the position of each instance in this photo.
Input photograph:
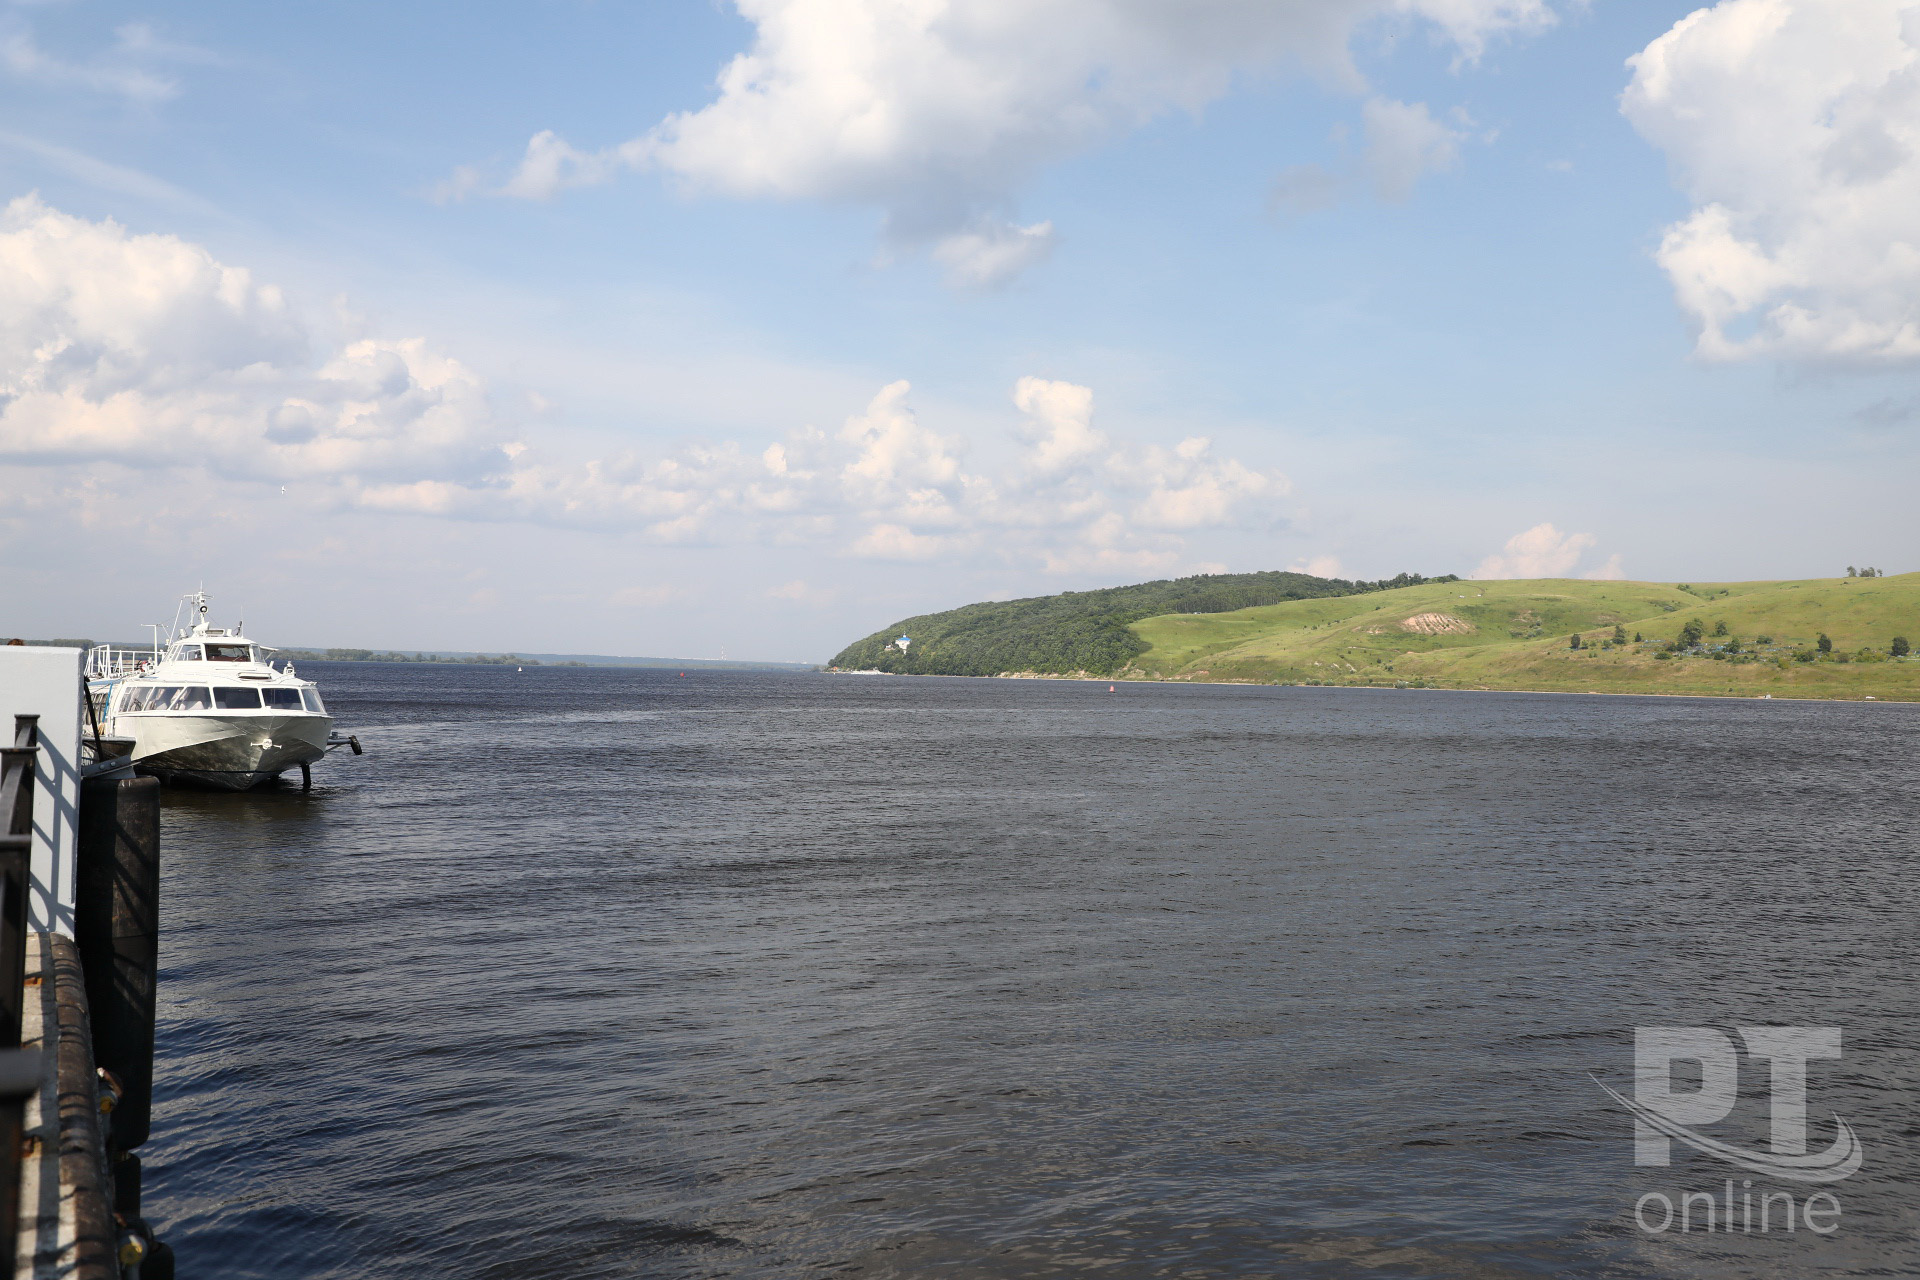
(298, 313)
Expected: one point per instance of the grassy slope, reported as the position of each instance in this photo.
(1074, 631)
(1520, 635)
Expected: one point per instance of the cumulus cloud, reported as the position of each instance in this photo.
(1794, 127)
(1543, 552)
(1611, 571)
(146, 352)
(1318, 566)
(1059, 433)
(938, 111)
(887, 487)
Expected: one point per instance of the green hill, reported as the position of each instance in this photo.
(1516, 635)
(1077, 632)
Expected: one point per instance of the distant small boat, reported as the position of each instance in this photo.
(207, 707)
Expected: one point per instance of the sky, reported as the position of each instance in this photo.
(689, 328)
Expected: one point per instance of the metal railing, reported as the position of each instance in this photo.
(19, 1069)
(104, 662)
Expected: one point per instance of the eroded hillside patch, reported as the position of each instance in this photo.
(1437, 624)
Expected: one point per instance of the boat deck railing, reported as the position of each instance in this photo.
(104, 662)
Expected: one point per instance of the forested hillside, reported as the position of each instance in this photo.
(1078, 631)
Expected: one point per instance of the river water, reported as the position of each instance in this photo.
(585, 973)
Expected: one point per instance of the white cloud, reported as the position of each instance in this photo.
(991, 252)
(1318, 566)
(938, 111)
(1611, 571)
(145, 352)
(1404, 144)
(897, 542)
(1794, 127)
(1059, 431)
(1543, 552)
(1401, 144)
(550, 166)
(884, 486)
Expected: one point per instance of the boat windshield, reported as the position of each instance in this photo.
(166, 697)
(281, 699)
(237, 699)
(312, 695)
(187, 653)
(229, 653)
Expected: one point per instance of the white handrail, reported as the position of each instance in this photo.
(104, 662)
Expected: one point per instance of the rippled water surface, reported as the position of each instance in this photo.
(618, 973)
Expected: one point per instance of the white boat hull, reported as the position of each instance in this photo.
(231, 752)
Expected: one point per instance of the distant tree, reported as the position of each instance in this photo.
(1619, 634)
(1692, 633)
(1900, 647)
(1763, 639)
(1638, 638)
(1720, 628)
(1575, 642)
(1823, 644)
(1804, 655)
(1852, 572)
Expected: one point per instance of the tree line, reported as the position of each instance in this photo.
(1694, 638)
(370, 655)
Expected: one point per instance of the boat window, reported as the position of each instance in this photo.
(135, 697)
(167, 697)
(229, 653)
(236, 699)
(283, 699)
(314, 704)
(187, 653)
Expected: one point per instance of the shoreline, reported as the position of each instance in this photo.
(1374, 688)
